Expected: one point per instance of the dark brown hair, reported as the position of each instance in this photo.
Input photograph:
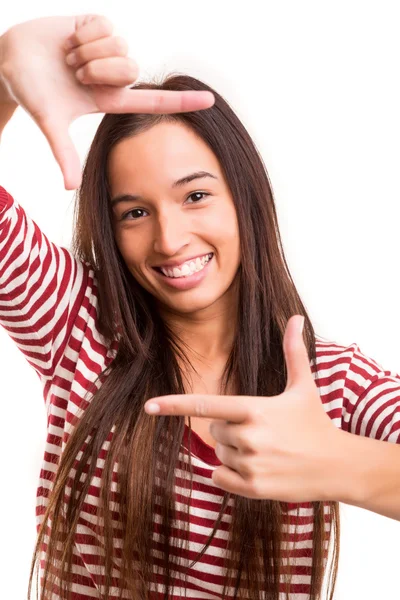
(146, 365)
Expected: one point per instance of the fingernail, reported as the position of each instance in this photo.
(152, 408)
(70, 59)
(80, 73)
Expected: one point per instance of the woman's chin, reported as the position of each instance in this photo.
(197, 302)
(188, 308)
(200, 298)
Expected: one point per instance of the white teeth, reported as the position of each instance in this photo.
(187, 268)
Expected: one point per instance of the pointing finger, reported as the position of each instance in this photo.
(124, 100)
(229, 408)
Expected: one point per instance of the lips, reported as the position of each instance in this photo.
(184, 282)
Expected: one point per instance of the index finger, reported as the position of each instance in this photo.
(229, 408)
(125, 100)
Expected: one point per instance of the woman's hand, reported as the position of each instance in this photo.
(283, 447)
(36, 75)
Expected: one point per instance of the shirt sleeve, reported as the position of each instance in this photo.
(42, 287)
(371, 399)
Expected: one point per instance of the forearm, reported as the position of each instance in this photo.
(369, 472)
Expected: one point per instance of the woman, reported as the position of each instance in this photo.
(177, 284)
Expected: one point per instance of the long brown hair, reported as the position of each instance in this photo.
(146, 365)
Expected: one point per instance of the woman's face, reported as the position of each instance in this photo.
(179, 239)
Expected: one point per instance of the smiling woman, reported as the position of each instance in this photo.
(213, 322)
(178, 285)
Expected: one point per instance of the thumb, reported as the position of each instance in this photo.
(295, 351)
(56, 130)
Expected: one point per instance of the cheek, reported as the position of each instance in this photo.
(132, 250)
(226, 236)
(220, 222)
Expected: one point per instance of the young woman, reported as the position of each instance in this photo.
(177, 289)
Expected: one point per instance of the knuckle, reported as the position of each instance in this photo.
(201, 408)
(255, 487)
(242, 440)
(247, 474)
(248, 446)
(160, 101)
(155, 103)
(120, 45)
(255, 415)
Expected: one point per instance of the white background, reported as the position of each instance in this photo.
(317, 86)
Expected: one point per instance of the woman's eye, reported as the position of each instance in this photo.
(198, 194)
(136, 212)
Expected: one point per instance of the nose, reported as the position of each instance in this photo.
(171, 234)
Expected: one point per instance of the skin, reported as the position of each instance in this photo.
(178, 224)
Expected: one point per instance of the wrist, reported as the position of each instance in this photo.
(368, 470)
(350, 471)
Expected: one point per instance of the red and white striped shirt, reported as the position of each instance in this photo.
(48, 306)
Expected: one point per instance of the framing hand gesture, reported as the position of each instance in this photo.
(278, 448)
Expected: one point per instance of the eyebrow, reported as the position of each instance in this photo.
(179, 183)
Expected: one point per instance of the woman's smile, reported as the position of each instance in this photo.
(188, 276)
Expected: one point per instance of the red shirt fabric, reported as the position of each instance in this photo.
(48, 306)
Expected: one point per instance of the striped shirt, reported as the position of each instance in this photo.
(48, 305)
